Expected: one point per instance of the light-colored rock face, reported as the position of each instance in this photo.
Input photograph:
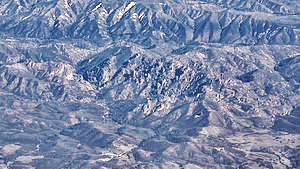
(149, 84)
(148, 23)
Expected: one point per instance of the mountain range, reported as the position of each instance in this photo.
(149, 84)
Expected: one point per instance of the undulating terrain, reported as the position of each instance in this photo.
(88, 84)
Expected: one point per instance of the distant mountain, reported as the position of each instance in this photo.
(149, 23)
(149, 84)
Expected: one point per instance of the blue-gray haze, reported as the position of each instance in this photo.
(88, 84)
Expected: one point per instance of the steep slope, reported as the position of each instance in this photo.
(148, 24)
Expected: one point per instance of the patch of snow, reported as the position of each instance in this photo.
(97, 7)
(122, 12)
(129, 6)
